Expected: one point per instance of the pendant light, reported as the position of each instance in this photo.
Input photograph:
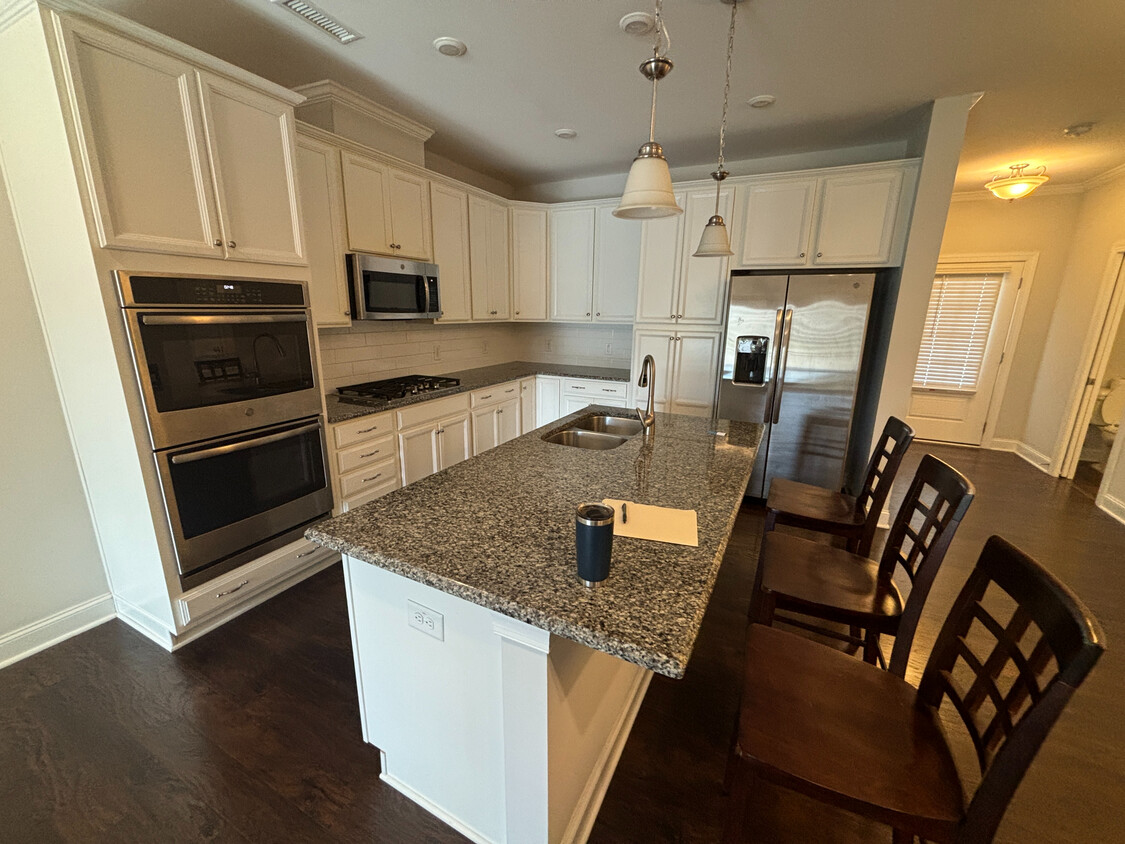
(648, 188)
(1018, 183)
(715, 242)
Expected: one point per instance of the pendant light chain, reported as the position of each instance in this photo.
(726, 87)
(661, 33)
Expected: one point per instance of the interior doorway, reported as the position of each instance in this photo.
(973, 317)
(1094, 432)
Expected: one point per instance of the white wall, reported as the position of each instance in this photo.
(1099, 225)
(1041, 223)
(51, 565)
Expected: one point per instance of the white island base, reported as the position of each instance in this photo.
(504, 731)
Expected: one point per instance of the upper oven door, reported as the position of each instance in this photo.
(386, 288)
(205, 374)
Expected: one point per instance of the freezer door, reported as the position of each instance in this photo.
(823, 333)
(754, 321)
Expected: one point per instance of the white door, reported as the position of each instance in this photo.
(368, 206)
(967, 327)
(507, 421)
(450, 211)
(775, 217)
(696, 368)
(658, 288)
(658, 343)
(529, 264)
(856, 223)
(548, 400)
(572, 263)
(485, 433)
(617, 256)
(322, 207)
(527, 405)
(410, 215)
(418, 452)
(454, 440)
(703, 281)
(499, 282)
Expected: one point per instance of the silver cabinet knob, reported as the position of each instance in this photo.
(231, 244)
(517, 313)
(802, 255)
(679, 316)
(599, 313)
(671, 316)
(218, 242)
(587, 313)
(820, 254)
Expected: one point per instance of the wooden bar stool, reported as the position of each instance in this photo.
(826, 511)
(801, 576)
(1013, 649)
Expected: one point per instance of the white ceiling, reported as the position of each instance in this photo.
(845, 73)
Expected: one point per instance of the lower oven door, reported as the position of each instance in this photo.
(233, 499)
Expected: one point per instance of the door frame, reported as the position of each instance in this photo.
(1104, 324)
(1010, 263)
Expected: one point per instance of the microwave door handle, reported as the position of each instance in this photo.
(426, 293)
(199, 319)
(218, 451)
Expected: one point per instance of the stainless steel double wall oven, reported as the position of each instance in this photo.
(227, 374)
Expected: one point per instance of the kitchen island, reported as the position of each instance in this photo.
(504, 711)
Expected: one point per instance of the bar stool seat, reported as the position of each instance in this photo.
(815, 507)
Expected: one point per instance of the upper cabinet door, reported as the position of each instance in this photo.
(703, 281)
(856, 224)
(499, 282)
(529, 264)
(617, 258)
(774, 221)
(410, 216)
(322, 208)
(450, 212)
(572, 263)
(661, 239)
(368, 205)
(252, 152)
(143, 145)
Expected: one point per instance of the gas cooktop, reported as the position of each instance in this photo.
(378, 392)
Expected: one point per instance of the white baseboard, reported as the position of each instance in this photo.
(53, 629)
(144, 623)
(1003, 445)
(1114, 506)
(1036, 458)
(469, 832)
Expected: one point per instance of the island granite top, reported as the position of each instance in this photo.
(498, 530)
(474, 379)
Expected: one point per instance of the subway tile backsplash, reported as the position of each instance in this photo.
(368, 351)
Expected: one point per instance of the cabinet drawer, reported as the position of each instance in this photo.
(431, 411)
(358, 482)
(364, 428)
(595, 389)
(492, 395)
(369, 494)
(236, 586)
(365, 453)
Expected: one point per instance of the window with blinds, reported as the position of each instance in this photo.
(958, 322)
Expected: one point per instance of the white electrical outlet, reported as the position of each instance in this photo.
(437, 352)
(548, 344)
(609, 348)
(428, 621)
(484, 347)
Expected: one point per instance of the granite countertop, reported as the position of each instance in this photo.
(474, 379)
(498, 530)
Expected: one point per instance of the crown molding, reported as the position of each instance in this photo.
(14, 10)
(328, 91)
(1105, 178)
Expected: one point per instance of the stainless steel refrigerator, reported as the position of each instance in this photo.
(791, 359)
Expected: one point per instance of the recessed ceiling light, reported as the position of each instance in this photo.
(1077, 130)
(637, 23)
(566, 133)
(450, 46)
(761, 101)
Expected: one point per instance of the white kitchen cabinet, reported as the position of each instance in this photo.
(578, 393)
(572, 404)
(617, 254)
(322, 209)
(179, 160)
(677, 288)
(388, 211)
(527, 406)
(548, 399)
(433, 446)
(529, 264)
(495, 424)
(364, 460)
(449, 208)
(844, 217)
(488, 259)
(572, 263)
(687, 368)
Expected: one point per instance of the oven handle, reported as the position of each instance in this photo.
(217, 451)
(168, 319)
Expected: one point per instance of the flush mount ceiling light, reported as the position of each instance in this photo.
(637, 23)
(648, 188)
(566, 133)
(715, 242)
(1018, 184)
(761, 101)
(451, 47)
(320, 18)
(1077, 130)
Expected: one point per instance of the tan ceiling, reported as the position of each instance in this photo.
(845, 72)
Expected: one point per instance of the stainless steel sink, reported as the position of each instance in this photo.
(622, 426)
(585, 439)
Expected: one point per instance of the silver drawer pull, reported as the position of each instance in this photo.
(576, 387)
(370, 453)
(368, 430)
(373, 477)
(608, 390)
(482, 398)
(512, 390)
(229, 591)
(306, 553)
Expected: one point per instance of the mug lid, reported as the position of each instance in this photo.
(595, 513)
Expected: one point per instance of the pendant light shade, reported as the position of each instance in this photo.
(715, 242)
(1017, 183)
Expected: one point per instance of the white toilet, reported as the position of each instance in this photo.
(1109, 409)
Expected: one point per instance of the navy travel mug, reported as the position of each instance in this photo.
(593, 537)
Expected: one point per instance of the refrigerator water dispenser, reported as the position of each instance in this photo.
(750, 360)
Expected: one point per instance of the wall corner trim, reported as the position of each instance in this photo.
(42, 634)
(1114, 506)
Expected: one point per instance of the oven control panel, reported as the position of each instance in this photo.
(188, 291)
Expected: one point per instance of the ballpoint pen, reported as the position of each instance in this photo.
(624, 514)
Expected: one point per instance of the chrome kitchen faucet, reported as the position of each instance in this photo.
(648, 376)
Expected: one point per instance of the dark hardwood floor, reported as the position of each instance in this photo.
(252, 733)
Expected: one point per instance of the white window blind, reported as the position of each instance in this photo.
(958, 322)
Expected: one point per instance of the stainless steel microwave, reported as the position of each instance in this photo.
(391, 288)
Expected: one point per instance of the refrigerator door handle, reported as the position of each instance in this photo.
(775, 362)
(783, 365)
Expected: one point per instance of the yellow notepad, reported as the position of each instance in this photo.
(660, 524)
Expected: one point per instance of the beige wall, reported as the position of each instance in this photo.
(1043, 224)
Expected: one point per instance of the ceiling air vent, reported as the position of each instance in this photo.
(319, 17)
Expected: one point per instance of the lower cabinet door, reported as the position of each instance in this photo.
(485, 433)
(527, 406)
(696, 356)
(548, 399)
(418, 452)
(455, 441)
(507, 421)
